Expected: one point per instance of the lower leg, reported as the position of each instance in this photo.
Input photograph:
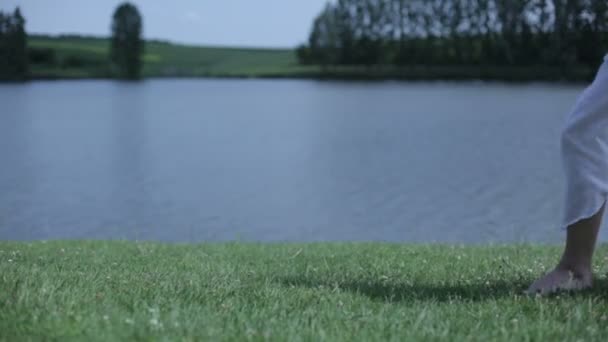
(574, 271)
(580, 244)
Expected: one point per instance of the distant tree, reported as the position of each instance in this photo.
(13, 46)
(592, 33)
(127, 45)
(3, 45)
(42, 56)
(565, 33)
(303, 54)
(324, 41)
(19, 45)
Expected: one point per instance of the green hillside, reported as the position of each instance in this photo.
(76, 57)
(85, 57)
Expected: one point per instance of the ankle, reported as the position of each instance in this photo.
(578, 268)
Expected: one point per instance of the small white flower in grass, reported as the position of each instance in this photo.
(129, 321)
(10, 260)
(155, 323)
(106, 317)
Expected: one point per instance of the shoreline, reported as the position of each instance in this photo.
(575, 78)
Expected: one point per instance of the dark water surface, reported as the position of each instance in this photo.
(201, 160)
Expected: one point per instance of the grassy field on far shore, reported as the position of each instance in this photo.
(82, 57)
(88, 58)
(109, 291)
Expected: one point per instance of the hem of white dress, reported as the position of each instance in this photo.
(586, 216)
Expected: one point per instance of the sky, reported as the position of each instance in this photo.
(262, 23)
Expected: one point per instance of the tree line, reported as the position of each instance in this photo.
(13, 46)
(459, 32)
(124, 60)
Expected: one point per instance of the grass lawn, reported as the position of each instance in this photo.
(101, 291)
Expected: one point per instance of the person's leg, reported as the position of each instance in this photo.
(585, 157)
(574, 271)
(580, 244)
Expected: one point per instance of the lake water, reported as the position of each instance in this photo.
(261, 160)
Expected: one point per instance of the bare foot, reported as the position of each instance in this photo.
(562, 279)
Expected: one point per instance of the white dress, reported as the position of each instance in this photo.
(585, 152)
